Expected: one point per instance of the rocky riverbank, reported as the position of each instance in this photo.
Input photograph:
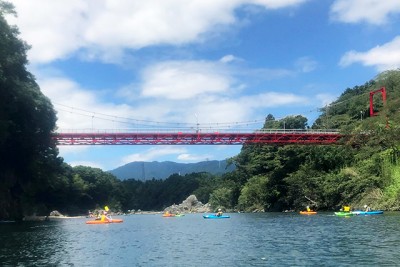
(189, 205)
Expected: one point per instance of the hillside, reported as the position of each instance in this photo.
(140, 170)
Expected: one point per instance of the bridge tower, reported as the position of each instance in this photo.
(371, 100)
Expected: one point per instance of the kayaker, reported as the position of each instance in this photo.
(219, 213)
(105, 217)
(367, 208)
(308, 208)
(346, 208)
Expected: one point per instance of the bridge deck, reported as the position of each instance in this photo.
(200, 138)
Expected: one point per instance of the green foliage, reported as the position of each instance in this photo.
(289, 122)
(206, 185)
(254, 194)
(221, 198)
(7, 8)
(392, 191)
(356, 172)
(28, 156)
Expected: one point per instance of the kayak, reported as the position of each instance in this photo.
(179, 215)
(308, 212)
(168, 215)
(344, 213)
(372, 212)
(213, 216)
(104, 222)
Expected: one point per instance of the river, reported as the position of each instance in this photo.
(245, 239)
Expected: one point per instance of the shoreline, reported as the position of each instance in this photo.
(63, 217)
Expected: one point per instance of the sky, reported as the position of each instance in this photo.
(125, 65)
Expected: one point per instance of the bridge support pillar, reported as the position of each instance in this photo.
(371, 100)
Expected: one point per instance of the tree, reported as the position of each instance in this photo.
(294, 122)
(221, 198)
(28, 155)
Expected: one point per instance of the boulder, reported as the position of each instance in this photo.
(189, 205)
(55, 213)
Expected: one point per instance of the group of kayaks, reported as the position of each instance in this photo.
(205, 216)
(214, 216)
(347, 213)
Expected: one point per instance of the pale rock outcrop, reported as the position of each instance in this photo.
(190, 205)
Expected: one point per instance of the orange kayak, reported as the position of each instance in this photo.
(104, 222)
(308, 212)
(168, 215)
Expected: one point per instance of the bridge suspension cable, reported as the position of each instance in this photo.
(187, 125)
(155, 124)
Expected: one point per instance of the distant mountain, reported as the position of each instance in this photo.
(140, 170)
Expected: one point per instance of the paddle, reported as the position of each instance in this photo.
(109, 216)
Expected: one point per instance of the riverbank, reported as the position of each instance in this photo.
(48, 218)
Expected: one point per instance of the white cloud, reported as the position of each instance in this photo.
(275, 4)
(272, 99)
(70, 150)
(184, 79)
(194, 158)
(86, 163)
(306, 64)
(80, 108)
(204, 91)
(210, 96)
(103, 28)
(384, 57)
(325, 99)
(371, 11)
(229, 58)
(153, 154)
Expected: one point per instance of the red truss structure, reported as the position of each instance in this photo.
(278, 137)
(371, 100)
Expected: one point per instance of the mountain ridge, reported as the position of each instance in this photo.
(144, 170)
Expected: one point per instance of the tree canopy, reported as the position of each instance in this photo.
(28, 155)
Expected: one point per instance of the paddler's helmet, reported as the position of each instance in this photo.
(219, 209)
(365, 206)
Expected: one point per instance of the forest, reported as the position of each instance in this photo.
(363, 169)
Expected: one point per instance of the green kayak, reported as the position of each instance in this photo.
(344, 213)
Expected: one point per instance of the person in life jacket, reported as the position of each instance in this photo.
(219, 213)
(367, 208)
(346, 208)
(105, 217)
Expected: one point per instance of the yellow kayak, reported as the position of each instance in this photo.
(105, 222)
(308, 212)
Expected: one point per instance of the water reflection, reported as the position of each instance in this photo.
(268, 239)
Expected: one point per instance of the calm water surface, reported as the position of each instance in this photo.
(267, 239)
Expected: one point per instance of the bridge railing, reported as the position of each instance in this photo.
(191, 130)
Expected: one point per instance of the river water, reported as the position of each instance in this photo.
(262, 239)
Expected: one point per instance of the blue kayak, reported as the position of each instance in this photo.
(213, 216)
(372, 212)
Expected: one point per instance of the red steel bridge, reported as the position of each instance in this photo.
(199, 137)
(215, 137)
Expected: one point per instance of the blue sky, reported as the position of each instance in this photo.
(163, 64)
